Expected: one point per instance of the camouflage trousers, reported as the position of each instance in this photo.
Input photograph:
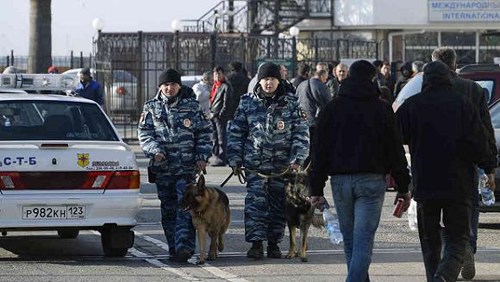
(264, 209)
(177, 224)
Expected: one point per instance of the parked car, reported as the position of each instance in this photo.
(489, 78)
(190, 80)
(63, 167)
(120, 95)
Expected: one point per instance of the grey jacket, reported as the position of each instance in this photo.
(313, 96)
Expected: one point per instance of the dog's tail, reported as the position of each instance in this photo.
(317, 221)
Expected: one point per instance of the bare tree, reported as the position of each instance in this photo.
(40, 44)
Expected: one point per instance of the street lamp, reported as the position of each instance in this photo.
(294, 32)
(176, 27)
(98, 24)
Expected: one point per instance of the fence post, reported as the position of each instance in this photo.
(12, 57)
(213, 49)
(140, 94)
(81, 59)
(337, 50)
(71, 60)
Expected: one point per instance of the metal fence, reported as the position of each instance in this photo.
(62, 63)
(128, 64)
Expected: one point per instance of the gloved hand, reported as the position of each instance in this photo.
(236, 170)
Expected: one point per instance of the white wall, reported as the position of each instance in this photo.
(380, 12)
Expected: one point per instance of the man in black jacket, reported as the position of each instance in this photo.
(474, 92)
(222, 107)
(446, 140)
(358, 145)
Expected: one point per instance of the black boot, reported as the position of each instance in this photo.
(273, 251)
(256, 251)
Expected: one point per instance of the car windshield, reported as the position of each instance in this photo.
(123, 76)
(488, 86)
(53, 120)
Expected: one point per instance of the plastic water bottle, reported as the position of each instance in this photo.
(412, 215)
(487, 195)
(332, 225)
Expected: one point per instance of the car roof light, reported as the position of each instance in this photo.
(35, 82)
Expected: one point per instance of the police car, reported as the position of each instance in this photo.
(63, 166)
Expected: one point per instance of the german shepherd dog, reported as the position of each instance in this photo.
(299, 212)
(209, 208)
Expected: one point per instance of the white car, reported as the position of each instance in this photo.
(64, 167)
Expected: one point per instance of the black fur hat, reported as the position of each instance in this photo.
(362, 70)
(269, 70)
(169, 75)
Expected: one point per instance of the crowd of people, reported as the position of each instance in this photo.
(267, 125)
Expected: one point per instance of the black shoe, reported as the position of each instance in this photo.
(256, 251)
(182, 256)
(273, 251)
(469, 268)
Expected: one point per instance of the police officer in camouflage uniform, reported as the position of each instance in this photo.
(268, 135)
(175, 134)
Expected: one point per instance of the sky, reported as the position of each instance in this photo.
(72, 21)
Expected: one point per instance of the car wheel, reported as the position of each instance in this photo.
(68, 233)
(116, 241)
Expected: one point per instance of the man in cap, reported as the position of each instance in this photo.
(447, 140)
(89, 88)
(175, 135)
(267, 136)
(358, 145)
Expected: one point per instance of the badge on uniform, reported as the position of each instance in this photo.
(281, 125)
(187, 122)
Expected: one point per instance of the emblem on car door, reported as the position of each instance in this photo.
(83, 159)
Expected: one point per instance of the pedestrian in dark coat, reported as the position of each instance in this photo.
(222, 106)
(358, 145)
(474, 92)
(446, 140)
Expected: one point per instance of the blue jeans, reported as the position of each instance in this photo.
(358, 201)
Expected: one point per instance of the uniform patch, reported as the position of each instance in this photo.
(187, 122)
(302, 114)
(281, 125)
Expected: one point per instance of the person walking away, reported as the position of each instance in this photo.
(358, 146)
(202, 92)
(89, 88)
(222, 107)
(313, 95)
(267, 137)
(175, 135)
(446, 139)
(474, 92)
(386, 78)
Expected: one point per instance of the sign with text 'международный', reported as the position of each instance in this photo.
(464, 10)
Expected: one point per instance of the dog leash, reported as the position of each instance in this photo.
(243, 179)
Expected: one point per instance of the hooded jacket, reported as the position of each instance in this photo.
(358, 135)
(445, 136)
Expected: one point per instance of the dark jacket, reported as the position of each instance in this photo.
(313, 96)
(91, 90)
(239, 82)
(358, 134)
(446, 138)
(225, 103)
(474, 92)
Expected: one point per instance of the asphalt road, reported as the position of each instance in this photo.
(42, 256)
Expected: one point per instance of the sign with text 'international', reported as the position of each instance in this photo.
(464, 11)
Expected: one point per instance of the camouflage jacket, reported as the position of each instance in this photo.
(178, 129)
(267, 135)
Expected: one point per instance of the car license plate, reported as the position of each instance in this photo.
(53, 212)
